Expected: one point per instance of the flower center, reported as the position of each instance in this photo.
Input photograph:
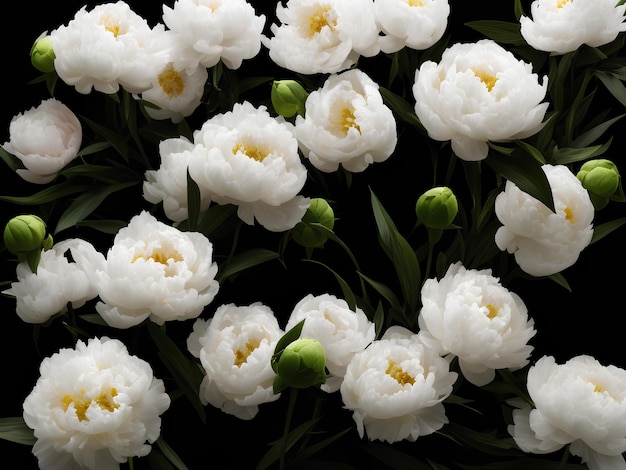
(161, 256)
(569, 214)
(320, 20)
(416, 3)
(242, 356)
(111, 26)
(492, 311)
(251, 151)
(345, 120)
(171, 82)
(488, 80)
(561, 3)
(82, 403)
(398, 374)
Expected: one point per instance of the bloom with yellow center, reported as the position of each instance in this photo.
(395, 387)
(235, 348)
(99, 395)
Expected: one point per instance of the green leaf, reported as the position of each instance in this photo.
(488, 442)
(169, 453)
(593, 134)
(49, 194)
(104, 226)
(214, 217)
(399, 252)
(500, 31)
(243, 261)
(401, 108)
(279, 447)
(285, 340)
(16, 430)
(86, 203)
(185, 372)
(193, 203)
(525, 173)
(107, 174)
(11, 160)
(348, 295)
(532, 151)
(614, 85)
(603, 230)
(94, 148)
(571, 155)
(385, 291)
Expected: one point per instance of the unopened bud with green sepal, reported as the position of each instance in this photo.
(288, 98)
(301, 364)
(437, 207)
(601, 178)
(42, 54)
(25, 236)
(308, 232)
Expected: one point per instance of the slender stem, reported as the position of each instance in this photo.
(293, 393)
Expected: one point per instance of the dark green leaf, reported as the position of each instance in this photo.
(169, 453)
(603, 230)
(500, 31)
(243, 261)
(104, 226)
(571, 155)
(593, 134)
(614, 85)
(16, 430)
(288, 338)
(193, 203)
(11, 160)
(401, 108)
(348, 295)
(51, 193)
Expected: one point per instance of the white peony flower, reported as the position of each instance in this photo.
(395, 388)
(94, 406)
(580, 403)
(341, 331)
(322, 36)
(152, 271)
(470, 314)
(478, 92)
(561, 26)
(235, 348)
(417, 24)
(168, 184)
(105, 48)
(57, 283)
(216, 29)
(545, 242)
(45, 138)
(346, 123)
(252, 161)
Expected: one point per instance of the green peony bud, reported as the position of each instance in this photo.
(302, 364)
(600, 177)
(42, 55)
(437, 207)
(25, 236)
(288, 97)
(311, 236)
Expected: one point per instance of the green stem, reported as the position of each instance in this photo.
(293, 393)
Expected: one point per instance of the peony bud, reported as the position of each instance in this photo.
(437, 207)
(288, 97)
(302, 364)
(600, 177)
(311, 236)
(42, 55)
(25, 236)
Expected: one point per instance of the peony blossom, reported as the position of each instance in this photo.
(214, 30)
(57, 283)
(395, 387)
(561, 26)
(168, 183)
(346, 123)
(152, 271)
(105, 48)
(322, 36)
(94, 406)
(580, 403)
(45, 138)
(248, 158)
(478, 92)
(235, 348)
(342, 332)
(545, 242)
(469, 314)
(417, 24)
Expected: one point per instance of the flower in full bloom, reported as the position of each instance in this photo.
(417, 24)
(168, 183)
(346, 123)
(57, 283)
(561, 26)
(214, 30)
(580, 403)
(322, 36)
(469, 314)
(45, 138)
(152, 271)
(341, 331)
(478, 92)
(545, 242)
(248, 158)
(94, 406)
(395, 387)
(107, 47)
(235, 348)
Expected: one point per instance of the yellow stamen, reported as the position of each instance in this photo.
(569, 214)
(110, 26)
(416, 3)
(251, 151)
(171, 82)
(242, 356)
(488, 80)
(161, 257)
(561, 3)
(82, 403)
(398, 374)
(493, 311)
(319, 20)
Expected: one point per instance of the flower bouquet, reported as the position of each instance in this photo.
(315, 233)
